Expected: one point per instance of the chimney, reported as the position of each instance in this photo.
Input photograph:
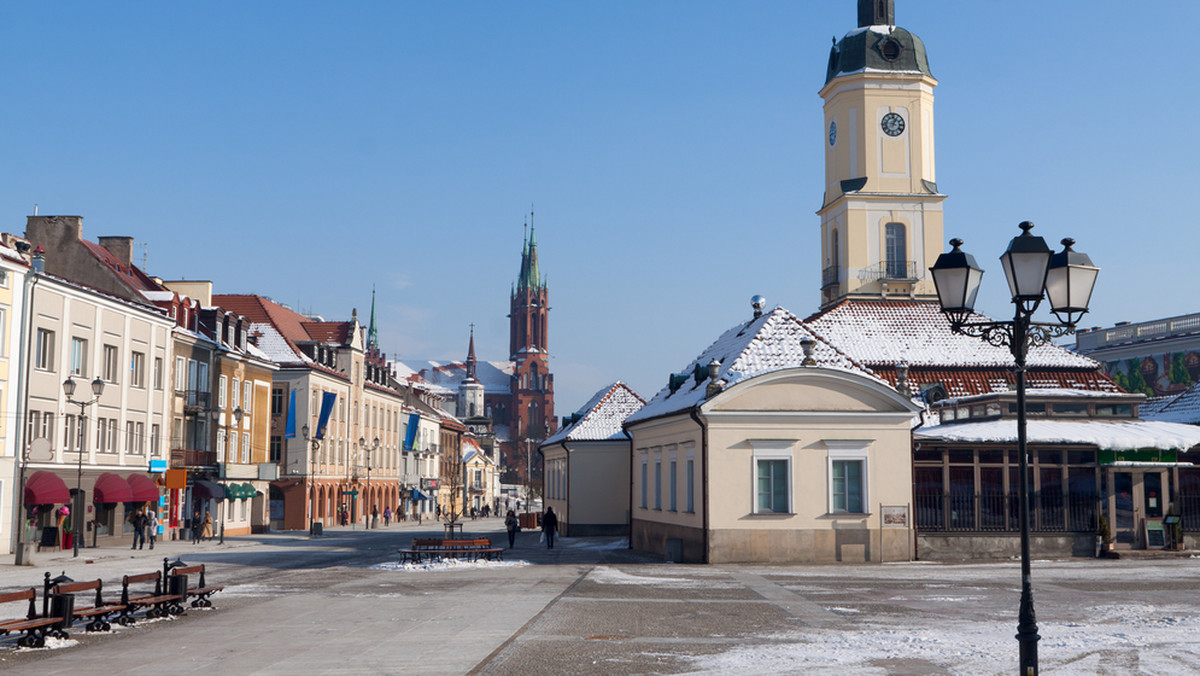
(55, 233)
(120, 247)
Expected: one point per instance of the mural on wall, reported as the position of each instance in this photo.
(1156, 375)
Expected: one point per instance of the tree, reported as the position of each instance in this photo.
(451, 471)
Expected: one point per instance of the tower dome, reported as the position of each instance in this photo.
(877, 45)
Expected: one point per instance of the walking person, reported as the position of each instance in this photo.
(375, 516)
(387, 516)
(510, 522)
(549, 526)
(196, 526)
(207, 531)
(138, 520)
(151, 525)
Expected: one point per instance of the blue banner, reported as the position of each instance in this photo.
(289, 431)
(410, 436)
(327, 401)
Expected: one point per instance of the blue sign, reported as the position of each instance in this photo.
(158, 465)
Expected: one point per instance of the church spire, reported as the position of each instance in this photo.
(471, 362)
(372, 330)
(529, 278)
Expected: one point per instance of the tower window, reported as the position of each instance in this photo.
(896, 265)
(890, 48)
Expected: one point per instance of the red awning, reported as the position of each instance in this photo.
(111, 488)
(45, 488)
(143, 488)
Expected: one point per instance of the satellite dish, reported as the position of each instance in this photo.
(40, 450)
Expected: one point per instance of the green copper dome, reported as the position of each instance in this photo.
(877, 45)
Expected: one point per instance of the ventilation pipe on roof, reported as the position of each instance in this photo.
(714, 385)
(758, 303)
(902, 379)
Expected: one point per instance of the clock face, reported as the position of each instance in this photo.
(832, 133)
(892, 124)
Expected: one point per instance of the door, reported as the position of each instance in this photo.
(1123, 522)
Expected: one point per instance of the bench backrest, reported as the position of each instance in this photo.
(473, 543)
(28, 595)
(190, 570)
(144, 577)
(72, 587)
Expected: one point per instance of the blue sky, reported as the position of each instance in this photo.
(672, 151)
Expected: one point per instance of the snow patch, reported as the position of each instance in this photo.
(448, 564)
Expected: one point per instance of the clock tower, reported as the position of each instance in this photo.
(881, 216)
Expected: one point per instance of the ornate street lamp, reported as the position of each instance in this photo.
(362, 443)
(69, 390)
(1033, 272)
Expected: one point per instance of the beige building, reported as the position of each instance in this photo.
(481, 485)
(773, 447)
(586, 476)
(13, 291)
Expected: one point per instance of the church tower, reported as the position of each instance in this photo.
(532, 384)
(881, 216)
(470, 390)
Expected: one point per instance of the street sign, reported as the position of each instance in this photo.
(351, 493)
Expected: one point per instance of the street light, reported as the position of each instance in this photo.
(1033, 271)
(362, 443)
(312, 488)
(69, 390)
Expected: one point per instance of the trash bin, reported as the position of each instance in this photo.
(62, 605)
(317, 528)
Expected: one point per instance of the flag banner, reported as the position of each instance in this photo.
(411, 435)
(289, 430)
(326, 410)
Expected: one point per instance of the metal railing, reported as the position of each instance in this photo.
(196, 398)
(1160, 328)
(893, 270)
(187, 457)
(1189, 508)
(830, 276)
(1050, 512)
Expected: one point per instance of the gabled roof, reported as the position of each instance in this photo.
(335, 333)
(131, 275)
(764, 344)
(1183, 408)
(602, 416)
(280, 329)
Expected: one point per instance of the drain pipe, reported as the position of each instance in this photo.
(695, 413)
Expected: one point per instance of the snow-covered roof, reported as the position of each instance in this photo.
(602, 416)
(1040, 392)
(274, 346)
(1114, 435)
(1183, 408)
(764, 344)
(159, 296)
(889, 332)
(496, 376)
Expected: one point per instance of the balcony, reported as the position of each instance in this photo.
(195, 401)
(186, 457)
(893, 271)
(830, 276)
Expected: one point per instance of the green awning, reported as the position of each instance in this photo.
(249, 491)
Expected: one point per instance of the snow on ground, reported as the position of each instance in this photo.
(593, 543)
(53, 644)
(448, 564)
(607, 575)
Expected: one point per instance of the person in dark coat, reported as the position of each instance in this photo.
(511, 523)
(549, 526)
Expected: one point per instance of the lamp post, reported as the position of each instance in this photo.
(69, 390)
(1033, 271)
(362, 443)
(315, 445)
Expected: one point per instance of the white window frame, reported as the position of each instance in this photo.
(112, 363)
(690, 480)
(235, 393)
(158, 373)
(772, 449)
(247, 395)
(220, 445)
(246, 448)
(645, 473)
(222, 382)
(44, 350)
(672, 482)
(852, 450)
(137, 369)
(181, 374)
(658, 480)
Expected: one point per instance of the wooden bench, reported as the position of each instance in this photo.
(98, 611)
(157, 603)
(35, 628)
(201, 591)
(437, 548)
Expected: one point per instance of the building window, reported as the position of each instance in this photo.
(79, 357)
(657, 482)
(897, 251)
(772, 476)
(137, 369)
(220, 445)
(221, 384)
(247, 395)
(3, 331)
(245, 447)
(773, 486)
(154, 439)
(689, 489)
(645, 484)
(112, 363)
(43, 357)
(233, 446)
(234, 394)
(180, 374)
(158, 373)
(129, 436)
(847, 477)
(672, 481)
(277, 401)
(139, 439)
(68, 432)
(276, 448)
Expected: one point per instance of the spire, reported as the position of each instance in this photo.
(471, 356)
(524, 273)
(534, 277)
(876, 13)
(372, 331)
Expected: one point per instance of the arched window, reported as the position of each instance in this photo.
(835, 254)
(534, 381)
(896, 247)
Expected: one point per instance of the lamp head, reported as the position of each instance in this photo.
(69, 387)
(1026, 262)
(97, 386)
(956, 276)
(1069, 283)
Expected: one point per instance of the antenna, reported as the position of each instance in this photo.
(145, 248)
(35, 210)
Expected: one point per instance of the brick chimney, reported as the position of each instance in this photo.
(120, 247)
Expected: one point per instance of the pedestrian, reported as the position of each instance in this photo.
(138, 521)
(511, 523)
(151, 525)
(549, 526)
(375, 516)
(195, 526)
(472, 513)
(387, 516)
(207, 531)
